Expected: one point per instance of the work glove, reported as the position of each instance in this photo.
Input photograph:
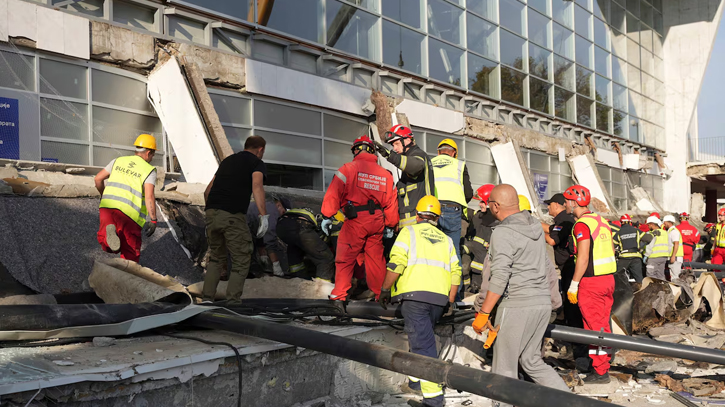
(382, 149)
(150, 228)
(263, 225)
(481, 323)
(384, 298)
(573, 292)
(644, 260)
(388, 233)
(450, 309)
(326, 225)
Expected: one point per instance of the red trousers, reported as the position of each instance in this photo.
(596, 296)
(362, 235)
(718, 255)
(128, 231)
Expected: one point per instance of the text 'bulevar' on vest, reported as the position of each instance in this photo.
(124, 188)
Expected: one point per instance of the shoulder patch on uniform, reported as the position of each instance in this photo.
(579, 235)
(557, 228)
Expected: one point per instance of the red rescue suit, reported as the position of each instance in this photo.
(690, 238)
(359, 182)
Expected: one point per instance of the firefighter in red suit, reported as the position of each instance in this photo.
(365, 193)
(690, 236)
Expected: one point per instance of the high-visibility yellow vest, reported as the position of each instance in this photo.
(680, 248)
(124, 188)
(448, 172)
(720, 235)
(661, 247)
(603, 258)
(427, 263)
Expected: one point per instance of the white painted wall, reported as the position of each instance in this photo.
(285, 83)
(586, 174)
(510, 169)
(174, 104)
(432, 117)
(691, 30)
(609, 158)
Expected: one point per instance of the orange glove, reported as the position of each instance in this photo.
(479, 324)
(573, 292)
(492, 333)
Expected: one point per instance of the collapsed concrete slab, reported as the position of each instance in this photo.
(119, 281)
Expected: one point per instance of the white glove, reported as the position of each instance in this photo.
(388, 233)
(644, 260)
(325, 226)
(263, 225)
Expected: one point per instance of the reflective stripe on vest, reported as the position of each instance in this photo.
(124, 188)
(719, 235)
(448, 173)
(680, 248)
(302, 213)
(603, 258)
(661, 247)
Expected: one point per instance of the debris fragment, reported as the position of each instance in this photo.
(138, 352)
(63, 362)
(103, 341)
(662, 366)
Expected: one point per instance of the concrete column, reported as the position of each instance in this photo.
(711, 205)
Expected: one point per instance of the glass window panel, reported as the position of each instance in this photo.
(292, 149)
(601, 87)
(238, 9)
(632, 27)
(300, 18)
(539, 29)
(539, 62)
(445, 21)
(408, 12)
(478, 152)
(583, 52)
(585, 4)
(647, 62)
(659, 71)
(484, 8)
(563, 41)
(512, 16)
(620, 124)
(564, 104)
(17, 71)
(119, 91)
(64, 153)
(562, 12)
(134, 15)
(619, 44)
(564, 73)
(92, 8)
(564, 168)
(344, 129)
(619, 96)
(281, 117)
(103, 155)
(290, 176)
(633, 7)
(601, 34)
(633, 53)
(603, 171)
(634, 129)
(648, 85)
(582, 24)
(482, 174)
(446, 62)
(186, 29)
(482, 75)
(603, 118)
(601, 61)
(584, 81)
(512, 50)
(617, 17)
(584, 111)
(63, 119)
(230, 41)
(337, 154)
(646, 14)
(482, 37)
(601, 9)
(633, 76)
(402, 47)
(539, 162)
(657, 4)
(539, 95)
(352, 30)
(619, 67)
(658, 23)
(646, 38)
(540, 5)
(232, 109)
(58, 78)
(512, 86)
(237, 137)
(122, 128)
(635, 104)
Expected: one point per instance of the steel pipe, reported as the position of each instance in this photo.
(706, 266)
(505, 389)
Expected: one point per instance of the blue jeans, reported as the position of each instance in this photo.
(420, 319)
(450, 222)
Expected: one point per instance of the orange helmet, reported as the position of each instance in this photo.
(721, 211)
(578, 193)
(483, 193)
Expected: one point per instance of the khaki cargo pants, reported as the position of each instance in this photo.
(227, 233)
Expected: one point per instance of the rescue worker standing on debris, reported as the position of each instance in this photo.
(717, 237)
(452, 188)
(593, 284)
(518, 274)
(127, 199)
(238, 177)
(690, 237)
(478, 239)
(675, 247)
(417, 178)
(657, 251)
(423, 274)
(629, 244)
(365, 194)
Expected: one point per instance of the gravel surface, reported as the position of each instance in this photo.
(49, 244)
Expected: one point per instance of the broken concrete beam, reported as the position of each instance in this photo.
(5, 189)
(270, 287)
(383, 109)
(216, 68)
(22, 186)
(8, 171)
(120, 46)
(125, 282)
(39, 299)
(56, 177)
(70, 191)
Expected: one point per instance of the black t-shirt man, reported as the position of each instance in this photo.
(560, 232)
(232, 188)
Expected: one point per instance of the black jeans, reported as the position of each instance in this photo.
(303, 239)
(633, 265)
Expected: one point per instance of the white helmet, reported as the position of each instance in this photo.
(669, 218)
(655, 220)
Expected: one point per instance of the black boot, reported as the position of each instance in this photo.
(596, 378)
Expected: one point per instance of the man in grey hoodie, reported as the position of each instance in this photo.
(518, 274)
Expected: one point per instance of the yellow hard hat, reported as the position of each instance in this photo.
(429, 204)
(524, 204)
(448, 142)
(146, 141)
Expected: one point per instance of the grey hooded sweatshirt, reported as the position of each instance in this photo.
(519, 263)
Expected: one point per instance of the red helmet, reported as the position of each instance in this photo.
(483, 193)
(578, 193)
(625, 218)
(709, 226)
(721, 211)
(684, 215)
(398, 132)
(655, 214)
(363, 143)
